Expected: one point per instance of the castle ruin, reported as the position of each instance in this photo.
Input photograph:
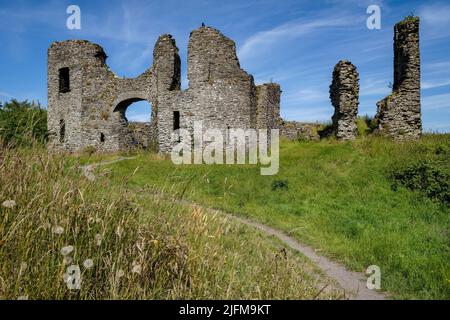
(344, 95)
(399, 114)
(87, 101)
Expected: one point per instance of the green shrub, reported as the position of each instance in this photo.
(426, 176)
(325, 130)
(366, 125)
(442, 149)
(22, 123)
(280, 185)
(362, 127)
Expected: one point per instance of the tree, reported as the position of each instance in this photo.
(22, 123)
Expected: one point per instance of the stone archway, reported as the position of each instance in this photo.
(137, 134)
(124, 99)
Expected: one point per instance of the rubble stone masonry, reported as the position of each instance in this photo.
(344, 95)
(399, 114)
(87, 101)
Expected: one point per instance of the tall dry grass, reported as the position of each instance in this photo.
(127, 245)
(48, 208)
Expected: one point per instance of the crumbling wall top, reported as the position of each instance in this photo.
(89, 101)
(399, 114)
(70, 50)
(212, 57)
(167, 63)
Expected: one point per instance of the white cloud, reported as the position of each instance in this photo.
(437, 127)
(23, 17)
(440, 101)
(436, 74)
(436, 19)
(380, 87)
(124, 23)
(374, 87)
(435, 83)
(288, 31)
(321, 114)
(307, 71)
(309, 104)
(439, 66)
(144, 117)
(436, 14)
(305, 96)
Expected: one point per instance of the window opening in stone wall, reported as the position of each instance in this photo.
(102, 137)
(176, 120)
(64, 80)
(62, 130)
(176, 123)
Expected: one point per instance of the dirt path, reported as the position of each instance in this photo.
(354, 283)
(88, 169)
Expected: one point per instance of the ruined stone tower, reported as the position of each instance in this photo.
(87, 101)
(268, 106)
(399, 114)
(344, 95)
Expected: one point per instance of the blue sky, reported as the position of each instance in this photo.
(295, 43)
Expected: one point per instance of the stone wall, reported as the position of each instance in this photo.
(141, 132)
(399, 114)
(92, 112)
(344, 95)
(220, 94)
(303, 131)
(268, 106)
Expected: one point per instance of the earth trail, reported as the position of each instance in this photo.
(353, 283)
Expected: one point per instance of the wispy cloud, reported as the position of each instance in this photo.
(438, 127)
(24, 16)
(374, 87)
(139, 112)
(139, 118)
(308, 114)
(305, 96)
(438, 66)
(435, 83)
(294, 42)
(436, 19)
(263, 40)
(439, 101)
(124, 23)
(307, 104)
(284, 74)
(129, 33)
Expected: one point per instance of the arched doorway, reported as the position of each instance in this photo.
(137, 115)
(139, 112)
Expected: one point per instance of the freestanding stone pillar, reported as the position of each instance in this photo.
(344, 95)
(399, 114)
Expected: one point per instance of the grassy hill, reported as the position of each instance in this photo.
(369, 202)
(129, 243)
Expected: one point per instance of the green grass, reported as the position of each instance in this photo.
(143, 245)
(339, 199)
